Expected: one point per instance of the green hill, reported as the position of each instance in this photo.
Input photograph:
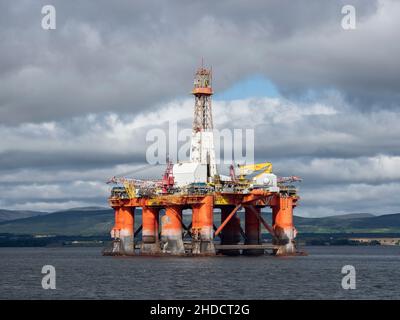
(99, 221)
(69, 222)
(353, 224)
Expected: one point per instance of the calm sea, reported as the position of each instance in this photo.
(83, 273)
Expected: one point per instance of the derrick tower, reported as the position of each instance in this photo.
(202, 146)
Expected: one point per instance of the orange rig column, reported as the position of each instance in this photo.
(252, 231)
(203, 227)
(282, 222)
(150, 242)
(123, 229)
(171, 231)
(231, 232)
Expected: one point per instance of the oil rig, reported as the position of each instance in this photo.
(196, 185)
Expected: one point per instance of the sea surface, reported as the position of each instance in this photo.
(83, 273)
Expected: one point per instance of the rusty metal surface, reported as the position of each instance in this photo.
(255, 197)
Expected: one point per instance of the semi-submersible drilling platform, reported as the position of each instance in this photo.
(197, 185)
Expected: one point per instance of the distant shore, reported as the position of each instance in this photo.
(306, 239)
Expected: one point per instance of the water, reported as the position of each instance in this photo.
(83, 273)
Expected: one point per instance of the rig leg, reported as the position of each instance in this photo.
(253, 231)
(196, 240)
(150, 242)
(231, 232)
(202, 227)
(123, 232)
(171, 231)
(282, 222)
(116, 249)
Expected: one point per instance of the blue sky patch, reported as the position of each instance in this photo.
(251, 87)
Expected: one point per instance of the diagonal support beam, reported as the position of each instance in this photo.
(184, 227)
(187, 230)
(243, 233)
(223, 224)
(137, 231)
(261, 219)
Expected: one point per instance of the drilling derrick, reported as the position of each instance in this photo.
(195, 185)
(202, 146)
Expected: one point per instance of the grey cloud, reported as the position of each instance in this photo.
(324, 201)
(128, 57)
(329, 145)
(287, 129)
(64, 160)
(283, 130)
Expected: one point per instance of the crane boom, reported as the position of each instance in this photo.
(245, 170)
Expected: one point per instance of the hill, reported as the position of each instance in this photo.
(351, 224)
(68, 222)
(93, 221)
(7, 215)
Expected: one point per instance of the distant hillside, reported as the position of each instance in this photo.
(353, 216)
(85, 209)
(94, 221)
(6, 215)
(70, 222)
(350, 224)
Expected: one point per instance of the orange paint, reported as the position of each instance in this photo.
(172, 225)
(117, 224)
(126, 217)
(124, 220)
(228, 219)
(282, 213)
(150, 224)
(252, 230)
(124, 228)
(171, 233)
(207, 91)
(196, 223)
(282, 222)
(203, 217)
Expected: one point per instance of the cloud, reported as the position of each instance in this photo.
(130, 57)
(373, 170)
(283, 128)
(310, 139)
(355, 198)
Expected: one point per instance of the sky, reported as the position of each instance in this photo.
(77, 102)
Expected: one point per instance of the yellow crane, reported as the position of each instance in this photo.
(245, 170)
(127, 183)
(130, 189)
